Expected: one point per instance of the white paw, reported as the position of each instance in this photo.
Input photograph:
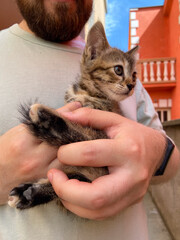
(33, 113)
(13, 201)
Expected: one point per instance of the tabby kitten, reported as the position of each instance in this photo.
(107, 77)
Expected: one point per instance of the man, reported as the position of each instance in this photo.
(34, 63)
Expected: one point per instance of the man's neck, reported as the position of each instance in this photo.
(23, 25)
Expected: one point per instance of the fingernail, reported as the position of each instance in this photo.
(50, 176)
(78, 104)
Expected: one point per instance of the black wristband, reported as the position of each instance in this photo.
(168, 151)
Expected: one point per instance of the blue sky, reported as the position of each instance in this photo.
(117, 19)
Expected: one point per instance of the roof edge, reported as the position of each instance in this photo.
(136, 9)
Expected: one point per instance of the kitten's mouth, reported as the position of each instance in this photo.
(114, 92)
(129, 92)
(120, 95)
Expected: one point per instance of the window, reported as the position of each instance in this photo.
(164, 114)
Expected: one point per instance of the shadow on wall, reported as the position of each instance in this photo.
(9, 13)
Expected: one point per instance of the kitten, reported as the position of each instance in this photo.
(107, 77)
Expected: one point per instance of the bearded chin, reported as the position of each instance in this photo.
(57, 26)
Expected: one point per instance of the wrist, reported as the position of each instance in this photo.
(169, 147)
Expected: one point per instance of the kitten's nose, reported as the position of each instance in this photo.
(130, 86)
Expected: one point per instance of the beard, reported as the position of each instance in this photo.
(59, 25)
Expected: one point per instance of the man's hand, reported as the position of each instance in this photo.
(132, 155)
(24, 158)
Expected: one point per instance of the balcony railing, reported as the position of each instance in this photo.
(157, 70)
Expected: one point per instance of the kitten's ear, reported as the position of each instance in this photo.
(134, 52)
(96, 41)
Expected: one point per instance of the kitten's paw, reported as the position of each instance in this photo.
(34, 112)
(42, 115)
(21, 197)
(45, 123)
(31, 194)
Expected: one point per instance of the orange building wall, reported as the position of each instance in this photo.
(153, 32)
(165, 94)
(159, 33)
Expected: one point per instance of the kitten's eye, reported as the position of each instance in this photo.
(134, 76)
(118, 70)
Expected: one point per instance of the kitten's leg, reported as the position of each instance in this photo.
(46, 124)
(88, 101)
(31, 194)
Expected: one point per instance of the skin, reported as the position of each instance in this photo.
(132, 159)
(23, 158)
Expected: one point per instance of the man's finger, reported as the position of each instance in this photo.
(69, 107)
(55, 164)
(96, 153)
(99, 214)
(95, 118)
(102, 192)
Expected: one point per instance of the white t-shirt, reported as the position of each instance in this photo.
(32, 68)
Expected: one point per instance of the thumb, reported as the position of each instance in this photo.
(56, 178)
(94, 118)
(69, 107)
